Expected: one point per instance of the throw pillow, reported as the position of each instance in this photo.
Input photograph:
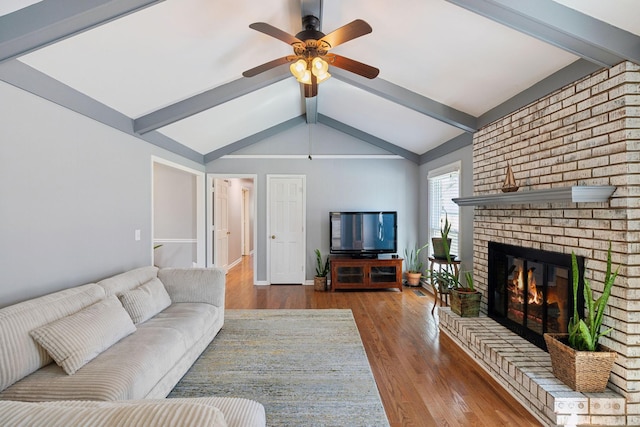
(74, 340)
(145, 301)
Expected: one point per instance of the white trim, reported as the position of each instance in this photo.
(451, 167)
(200, 211)
(315, 156)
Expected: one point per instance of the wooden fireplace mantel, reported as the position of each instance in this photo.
(575, 194)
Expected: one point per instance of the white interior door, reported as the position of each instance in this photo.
(286, 233)
(221, 223)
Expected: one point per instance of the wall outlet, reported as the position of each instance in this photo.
(137, 235)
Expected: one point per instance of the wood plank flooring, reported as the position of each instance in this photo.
(424, 379)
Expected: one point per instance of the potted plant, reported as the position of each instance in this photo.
(442, 244)
(413, 265)
(576, 357)
(465, 300)
(322, 269)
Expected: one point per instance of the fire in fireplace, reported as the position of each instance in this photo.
(530, 290)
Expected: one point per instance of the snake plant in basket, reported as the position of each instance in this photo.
(577, 359)
(322, 269)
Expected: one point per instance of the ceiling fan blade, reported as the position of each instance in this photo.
(348, 32)
(277, 33)
(266, 66)
(356, 67)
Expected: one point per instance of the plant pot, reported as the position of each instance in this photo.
(438, 247)
(320, 283)
(465, 303)
(584, 371)
(413, 279)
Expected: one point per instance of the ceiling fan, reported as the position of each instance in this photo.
(311, 58)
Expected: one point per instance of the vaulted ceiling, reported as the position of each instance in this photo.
(170, 72)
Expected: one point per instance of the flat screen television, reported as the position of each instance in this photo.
(363, 233)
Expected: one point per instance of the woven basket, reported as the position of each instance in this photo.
(465, 304)
(320, 283)
(585, 371)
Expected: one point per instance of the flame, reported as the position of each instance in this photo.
(534, 296)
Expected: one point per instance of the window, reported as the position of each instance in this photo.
(444, 185)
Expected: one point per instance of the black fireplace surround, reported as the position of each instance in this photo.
(530, 290)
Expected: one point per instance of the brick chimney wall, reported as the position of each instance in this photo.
(587, 133)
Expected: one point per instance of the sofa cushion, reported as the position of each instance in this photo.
(76, 339)
(19, 353)
(194, 284)
(238, 412)
(145, 301)
(151, 413)
(128, 280)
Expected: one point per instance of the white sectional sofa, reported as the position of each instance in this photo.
(129, 338)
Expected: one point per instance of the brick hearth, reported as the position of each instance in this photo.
(525, 371)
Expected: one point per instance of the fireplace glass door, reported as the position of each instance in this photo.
(538, 295)
(530, 290)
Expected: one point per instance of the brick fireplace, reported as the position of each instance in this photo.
(587, 133)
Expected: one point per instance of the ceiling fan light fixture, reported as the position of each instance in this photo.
(320, 77)
(320, 69)
(306, 77)
(319, 66)
(299, 68)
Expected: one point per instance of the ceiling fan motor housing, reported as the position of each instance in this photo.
(311, 25)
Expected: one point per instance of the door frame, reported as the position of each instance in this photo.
(304, 222)
(209, 215)
(199, 208)
(245, 220)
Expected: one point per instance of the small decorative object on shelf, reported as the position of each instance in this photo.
(509, 185)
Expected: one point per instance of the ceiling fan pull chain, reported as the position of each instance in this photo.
(310, 158)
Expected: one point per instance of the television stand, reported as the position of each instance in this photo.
(365, 273)
(364, 256)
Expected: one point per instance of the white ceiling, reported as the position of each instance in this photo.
(433, 56)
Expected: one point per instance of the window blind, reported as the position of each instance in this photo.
(444, 185)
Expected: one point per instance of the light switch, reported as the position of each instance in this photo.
(137, 235)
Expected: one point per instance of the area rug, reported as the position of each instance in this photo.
(307, 367)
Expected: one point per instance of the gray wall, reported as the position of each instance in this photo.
(332, 184)
(72, 194)
(465, 155)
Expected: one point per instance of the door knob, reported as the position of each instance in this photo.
(273, 236)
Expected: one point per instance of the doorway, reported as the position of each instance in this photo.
(231, 213)
(177, 219)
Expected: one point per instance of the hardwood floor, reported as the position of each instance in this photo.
(424, 379)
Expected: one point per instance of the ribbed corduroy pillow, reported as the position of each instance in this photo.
(74, 340)
(145, 301)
